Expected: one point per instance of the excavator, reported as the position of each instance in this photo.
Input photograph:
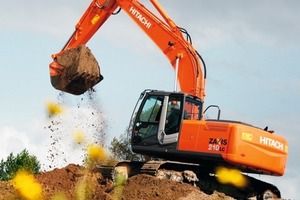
(170, 125)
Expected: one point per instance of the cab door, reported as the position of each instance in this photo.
(147, 120)
(170, 120)
(158, 119)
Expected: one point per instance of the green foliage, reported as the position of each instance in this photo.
(13, 163)
(121, 149)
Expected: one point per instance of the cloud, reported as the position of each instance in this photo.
(12, 140)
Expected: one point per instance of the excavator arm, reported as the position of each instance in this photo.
(188, 65)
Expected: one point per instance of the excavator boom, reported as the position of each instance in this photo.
(165, 34)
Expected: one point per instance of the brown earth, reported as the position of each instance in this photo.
(75, 182)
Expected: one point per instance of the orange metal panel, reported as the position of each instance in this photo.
(204, 137)
(257, 149)
(241, 145)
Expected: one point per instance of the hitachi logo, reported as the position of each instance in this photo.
(140, 17)
(272, 143)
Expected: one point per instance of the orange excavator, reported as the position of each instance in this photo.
(170, 126)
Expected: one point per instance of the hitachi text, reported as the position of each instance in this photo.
(140, 17)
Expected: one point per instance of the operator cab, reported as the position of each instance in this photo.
(158, 119)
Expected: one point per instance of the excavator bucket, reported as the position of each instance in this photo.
(75, 71)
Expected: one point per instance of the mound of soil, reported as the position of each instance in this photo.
(75, 182)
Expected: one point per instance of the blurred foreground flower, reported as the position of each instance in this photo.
(53, 108)
(95, 154)
(79, 136)
(27, 186)
(231, 176)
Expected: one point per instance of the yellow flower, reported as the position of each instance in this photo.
(79, 137)
(27, 186)
(231, 176)
(96, 153)
(53, 108)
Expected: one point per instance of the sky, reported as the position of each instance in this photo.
(251, 50)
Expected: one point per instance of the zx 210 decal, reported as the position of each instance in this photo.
(217, 144)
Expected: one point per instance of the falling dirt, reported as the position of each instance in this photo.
(83, 116)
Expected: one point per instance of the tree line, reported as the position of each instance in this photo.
(119, 147)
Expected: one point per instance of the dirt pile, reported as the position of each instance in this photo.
(75, 182)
